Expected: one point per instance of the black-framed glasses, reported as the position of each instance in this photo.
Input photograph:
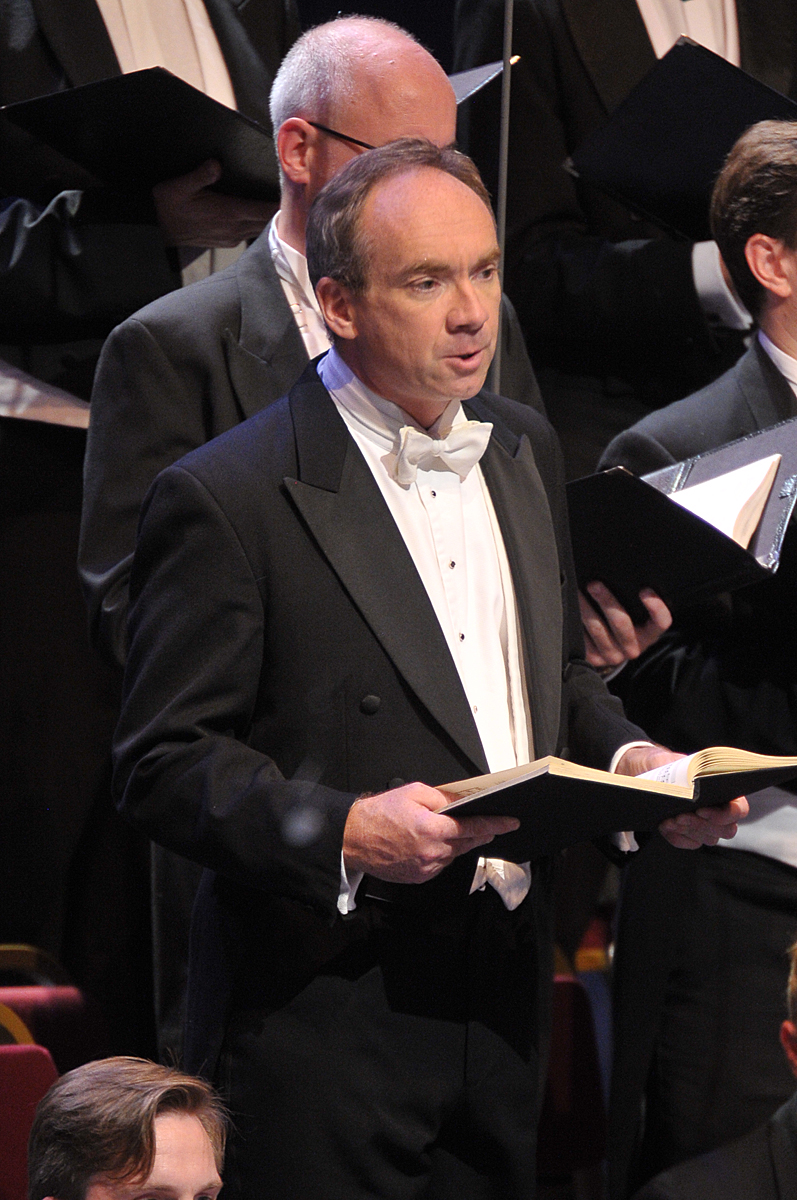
(342, 137)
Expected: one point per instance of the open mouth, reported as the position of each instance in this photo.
(470, 357)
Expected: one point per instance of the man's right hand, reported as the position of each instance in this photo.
(610, 636)
(190, 214)
(400, 836)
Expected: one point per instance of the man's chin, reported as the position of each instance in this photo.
(468, 374)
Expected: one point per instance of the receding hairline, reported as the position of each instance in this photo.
(415, 171)
(357, 46)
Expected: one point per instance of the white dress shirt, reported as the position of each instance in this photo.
(175, 34)
(291, 266)
(712, 23)
(451, 531)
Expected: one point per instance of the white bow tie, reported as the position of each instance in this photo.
(459, 452)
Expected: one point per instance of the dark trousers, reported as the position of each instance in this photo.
(701, 973)
(408, 1066)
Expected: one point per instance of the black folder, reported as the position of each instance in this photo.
(556, 811)
(133, 131)
(663, 147)
(629, 534)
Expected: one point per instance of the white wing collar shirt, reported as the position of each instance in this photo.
(712, 23)
(291, 267)
(446, 518)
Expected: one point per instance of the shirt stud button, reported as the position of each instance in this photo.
(370, 704)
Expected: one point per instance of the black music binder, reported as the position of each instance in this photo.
(663, 147)
(133, 131)
(629, 534)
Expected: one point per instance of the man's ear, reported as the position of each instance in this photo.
(766, 258)
(335, 302)
(295, 141)
(788, 1040)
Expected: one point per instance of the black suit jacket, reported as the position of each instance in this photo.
(598, 292)
(760, 1166)
(108, 259)
(174, 376)
(271, 593)
(724, 674)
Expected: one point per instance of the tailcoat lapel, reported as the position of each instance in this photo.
(78, 39)
(250, 78)
(767, 47)
(613, 45)
(267, 355)
(340, 501)
(766, 392)
(521, 505)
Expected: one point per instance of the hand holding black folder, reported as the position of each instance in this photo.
(136, 130)
(561, 803)
(629, 534)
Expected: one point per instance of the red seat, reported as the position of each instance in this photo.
(61, 1018)
(26, 1072)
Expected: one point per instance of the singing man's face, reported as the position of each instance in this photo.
(184, 1167)
(424, 330)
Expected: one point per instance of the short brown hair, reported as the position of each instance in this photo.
(98, 1122)
(335, 245)
(756, 192)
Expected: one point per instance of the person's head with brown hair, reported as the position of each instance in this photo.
(108, 1128)
(754, 211)
(402, 252)
(337, 245)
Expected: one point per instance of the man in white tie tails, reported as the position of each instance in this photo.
(366, 584)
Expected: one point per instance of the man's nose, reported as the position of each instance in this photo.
(468, 310)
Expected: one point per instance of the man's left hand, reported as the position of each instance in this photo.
(610, 636)
(688, 831)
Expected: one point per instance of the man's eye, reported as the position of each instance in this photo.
(424, 285)
(488, 273)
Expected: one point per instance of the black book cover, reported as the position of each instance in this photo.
(663, 147)
(133, 131)
(628, 534)
(557, 811)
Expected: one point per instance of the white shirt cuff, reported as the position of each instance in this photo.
(618, 754)
(717, 300)
(625, 841)
(348, 889)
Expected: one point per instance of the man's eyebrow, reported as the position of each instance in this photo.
(428, 266)
(167, 1192)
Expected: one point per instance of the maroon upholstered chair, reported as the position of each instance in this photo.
(26, 1072)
